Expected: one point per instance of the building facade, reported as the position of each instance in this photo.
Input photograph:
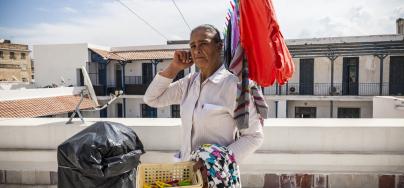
(15, 62)
(336, 77)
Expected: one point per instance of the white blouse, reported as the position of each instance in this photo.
(207, 111)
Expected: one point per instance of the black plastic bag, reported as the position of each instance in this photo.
(104, 155)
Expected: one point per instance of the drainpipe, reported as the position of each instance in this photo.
(332, 56)
(123, 64)
(276, 89)
(276, 109)
(381, 58)
(106, 77)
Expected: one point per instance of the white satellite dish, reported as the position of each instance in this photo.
(89, 86)
(89, 90)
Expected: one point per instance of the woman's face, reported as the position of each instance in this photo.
(205, 51)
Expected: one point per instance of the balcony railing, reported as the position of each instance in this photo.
(133, 80)
(325, 89)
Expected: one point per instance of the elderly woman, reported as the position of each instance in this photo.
(207, 98)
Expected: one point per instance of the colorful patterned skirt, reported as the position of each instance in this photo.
(221, 166)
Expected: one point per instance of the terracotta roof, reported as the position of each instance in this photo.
(106, 54)
(136, 54)
(26, 108)
(146, 54)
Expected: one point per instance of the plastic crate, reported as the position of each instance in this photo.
(150, 173)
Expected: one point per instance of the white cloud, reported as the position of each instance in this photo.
(69, 9)
(110, 24)
(113, 25)
(325, 18)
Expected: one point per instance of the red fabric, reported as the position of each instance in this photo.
(267, 54)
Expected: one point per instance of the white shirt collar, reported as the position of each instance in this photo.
(215, 77)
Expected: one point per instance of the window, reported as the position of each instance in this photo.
(1, 54)
(79, 77)
(175, 111)
(24, 79)
(148, 112)
(119, 111)
(305, 112)
(104, 113)
(12, 55)
(22, 55)
(349, 112)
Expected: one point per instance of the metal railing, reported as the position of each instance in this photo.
(325, 89)
(133, 80)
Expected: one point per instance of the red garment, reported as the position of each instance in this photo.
(267, 54)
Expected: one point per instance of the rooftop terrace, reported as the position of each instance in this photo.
(321, 152)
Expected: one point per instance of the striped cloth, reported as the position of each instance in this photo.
(246, 88)
(235, 61)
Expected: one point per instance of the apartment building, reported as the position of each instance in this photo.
(336, 77)
(15, 62)
(130, 69)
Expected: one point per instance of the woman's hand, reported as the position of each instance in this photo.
(182, 60)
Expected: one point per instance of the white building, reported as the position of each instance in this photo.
(339, 76)
(336, 77)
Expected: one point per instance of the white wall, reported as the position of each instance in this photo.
(272, 108)
(134, 68)
(388, 107)
(295, 76)
(322, 70)
(322, 108)
(369, 69)
(287, 135)
(133, 108)
(366, 108)
(111, 72)
(54, 61)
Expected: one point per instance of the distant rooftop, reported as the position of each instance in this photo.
(150, 47)
(40, 102)
(348, 39)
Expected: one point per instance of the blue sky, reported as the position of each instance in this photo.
(23, 13)
(106, 22)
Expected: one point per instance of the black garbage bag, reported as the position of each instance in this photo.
(104, 155)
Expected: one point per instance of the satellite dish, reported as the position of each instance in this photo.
(89, 90)
(89, 86)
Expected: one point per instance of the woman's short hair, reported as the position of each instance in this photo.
(211, 29)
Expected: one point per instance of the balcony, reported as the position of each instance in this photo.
(134, 85)
(339, 89)
(320, 152)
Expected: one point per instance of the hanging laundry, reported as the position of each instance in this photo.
(267, 54)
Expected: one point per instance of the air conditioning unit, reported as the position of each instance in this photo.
(334, 91)
(292, 90)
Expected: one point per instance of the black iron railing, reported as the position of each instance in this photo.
(133, 80)
(325, 89)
